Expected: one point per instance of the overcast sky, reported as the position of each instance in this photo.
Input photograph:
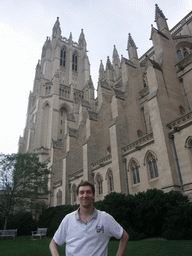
(25, 24)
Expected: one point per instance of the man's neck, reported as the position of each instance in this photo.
(86, 211)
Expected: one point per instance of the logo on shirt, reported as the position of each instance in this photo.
(100, 229)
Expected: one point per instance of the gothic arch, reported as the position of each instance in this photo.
(99, 183)
(63, 56)
(45, 127)
(74, 193)
(188, 142)
(59, 197)
(147, 155)
(133, 168)
(63, 111)
(145, 82)
(183, 49)
(131, 162)
(45, 104)
(110, 180)
(150, 161)
(64, 47)
(66, 107)
(75, 61)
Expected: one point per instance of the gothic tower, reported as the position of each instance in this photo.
(136, 135)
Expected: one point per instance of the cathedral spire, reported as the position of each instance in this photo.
(108, 64)
(160, 19)
(82, 41)
(56, 32)
(131, 48)
(116, 60)
(70, 37)
(101, 71)
(38, 69)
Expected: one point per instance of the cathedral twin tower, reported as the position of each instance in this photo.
(130, 137)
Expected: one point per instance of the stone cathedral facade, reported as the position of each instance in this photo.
(136, 135)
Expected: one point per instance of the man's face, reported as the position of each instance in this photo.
(85, 196)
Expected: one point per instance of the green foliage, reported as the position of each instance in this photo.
(23, 180)
(52, 217)
(178, 223)
(23, 222)
(147, 214)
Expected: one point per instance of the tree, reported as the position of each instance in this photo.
(23, 184)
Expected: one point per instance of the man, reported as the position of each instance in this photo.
(87, 231)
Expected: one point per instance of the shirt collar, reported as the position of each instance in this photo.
(94, 216)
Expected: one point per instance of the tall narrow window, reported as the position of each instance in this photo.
(74, 62)
(62, 57)
(180, 55)
(99, 184)
(135, 171)
(185, 52)
(59, 197)
(152, 164)
(110, 180)
(74, 193)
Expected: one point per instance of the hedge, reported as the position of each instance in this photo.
(147, 214)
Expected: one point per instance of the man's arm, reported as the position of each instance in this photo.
(53, 248)
(123, 242)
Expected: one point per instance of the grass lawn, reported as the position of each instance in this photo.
(24, 246)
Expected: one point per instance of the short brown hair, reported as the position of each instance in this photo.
(86, 183)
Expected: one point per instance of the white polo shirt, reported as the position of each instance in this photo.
(87, 239)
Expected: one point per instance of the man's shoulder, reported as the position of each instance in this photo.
(102, 213)
(70, 215)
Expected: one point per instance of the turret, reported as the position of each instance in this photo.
(70, 38)
(160, 19)
(38, 70)
(131, 48)
(101, 71)
(116, 60)
(56, 32)
(82, 41)
(90, 88)
(109, 70)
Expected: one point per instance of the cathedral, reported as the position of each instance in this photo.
(135, 135)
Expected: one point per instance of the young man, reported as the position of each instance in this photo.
(87, 231)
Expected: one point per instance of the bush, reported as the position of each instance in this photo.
(147, 214)
(178, 223)
(23, 222)
(52, 217)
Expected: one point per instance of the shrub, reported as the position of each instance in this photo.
(178, 223)
(147, 214)
(52, 217)
(23, 222)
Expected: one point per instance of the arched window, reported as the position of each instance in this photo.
(152, 166)
(59, 197)
(188, 143)
(74, 193)
(144, 80)
(180, 55)
(185, 52)
(134, 167)
(47, 89)
(181, 110)
(99, 181)
(139, 133)
(74, 62)
(61, 122)
(62, 57)
(110, 180)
